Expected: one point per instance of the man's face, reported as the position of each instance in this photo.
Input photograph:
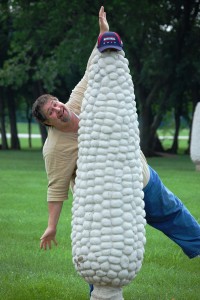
(56, 113)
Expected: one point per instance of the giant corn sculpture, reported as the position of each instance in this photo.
(195, 137)
(108, 218)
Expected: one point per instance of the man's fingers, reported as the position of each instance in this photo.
(41, 245)
(103, 21)
(45, 244)
(101, 12)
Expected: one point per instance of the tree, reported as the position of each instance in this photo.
(159, 40)
(49, 43)
(4, 143)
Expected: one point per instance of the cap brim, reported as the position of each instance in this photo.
(101, 49)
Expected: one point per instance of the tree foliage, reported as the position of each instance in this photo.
(44, 47)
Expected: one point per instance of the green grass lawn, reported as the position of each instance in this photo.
(28, 273)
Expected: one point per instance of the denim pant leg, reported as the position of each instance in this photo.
(165, 212)
(91, 287)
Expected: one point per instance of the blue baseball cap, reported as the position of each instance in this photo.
(109, 40)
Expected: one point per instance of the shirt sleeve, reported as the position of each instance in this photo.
(60, 164)
(146, 172)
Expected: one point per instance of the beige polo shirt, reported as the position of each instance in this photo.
(60, 150)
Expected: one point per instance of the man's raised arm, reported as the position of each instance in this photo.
(76, 97)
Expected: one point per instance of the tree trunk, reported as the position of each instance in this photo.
(174, 147)
(147, 132)
(158, 147)
(177, 115)
(29, 119)
(145, 121)
(38, 91)
(29, 133)
(15, 144)
(4, 143)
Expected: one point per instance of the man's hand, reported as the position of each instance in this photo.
(46, 239)
(103, 24)
(49, 235)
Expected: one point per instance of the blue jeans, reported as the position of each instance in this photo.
(165, 212)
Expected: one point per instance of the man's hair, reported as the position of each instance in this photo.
(38, 106)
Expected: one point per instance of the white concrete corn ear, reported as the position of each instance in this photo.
(108, 217)
(195, 138)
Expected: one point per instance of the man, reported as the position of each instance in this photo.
(164, 211)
